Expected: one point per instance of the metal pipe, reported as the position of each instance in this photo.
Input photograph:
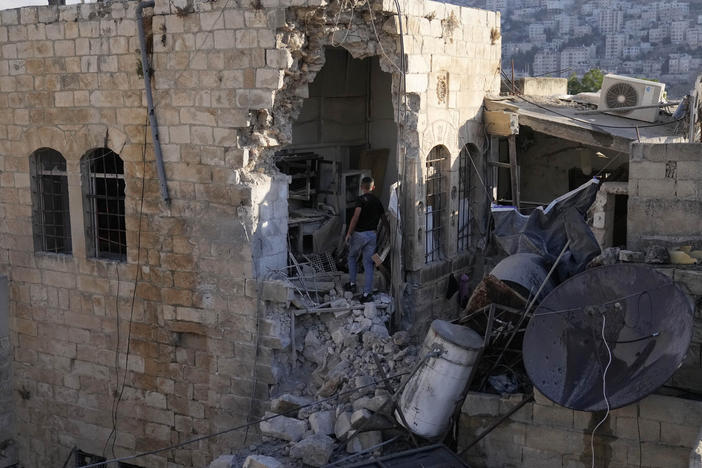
(628, 108)
(146, 68)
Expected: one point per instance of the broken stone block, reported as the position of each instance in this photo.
(401, 338)
(314, 450)
(342, 425)
(314, 348)
(339, 335)
(350, 341)
(288, 403)
(361, 326)
(376, 403)
(631, 256)
(360, 403)
(370, 311)
(260, 461)
(339, 303)
(657, 254)
(364, 441)
(380, 330)
(282, 427)
(609, 256)
(223, 461)
(330, 385)
(322, 422)
(359, 417)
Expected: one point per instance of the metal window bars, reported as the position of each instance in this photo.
(105, 204)
(52, 224)
(463, 236)
(435, 200)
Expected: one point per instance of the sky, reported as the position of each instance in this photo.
(6, 4)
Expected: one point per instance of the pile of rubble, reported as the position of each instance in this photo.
(339, 403)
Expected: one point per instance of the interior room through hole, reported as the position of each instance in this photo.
(345, 131)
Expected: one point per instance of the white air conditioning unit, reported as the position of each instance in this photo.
(622, 91)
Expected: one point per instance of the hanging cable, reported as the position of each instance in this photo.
(604, 391)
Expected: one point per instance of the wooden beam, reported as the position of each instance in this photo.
(514, 169)
(501, 123)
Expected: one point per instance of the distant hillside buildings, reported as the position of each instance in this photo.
(659, 39)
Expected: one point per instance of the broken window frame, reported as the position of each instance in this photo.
(463, 230)
(435, 201)
(51, 221)
(104, 204)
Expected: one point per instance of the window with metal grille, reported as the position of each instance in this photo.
(464, 167)
(103, 186)
(435, 202)
(50, 217)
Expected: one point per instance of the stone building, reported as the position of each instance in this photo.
(142, 315)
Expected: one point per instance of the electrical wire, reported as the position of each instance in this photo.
(604, 392)
(241, 426)
(118, 395)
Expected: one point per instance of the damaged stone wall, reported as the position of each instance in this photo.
(184, 331)
(177, 331)
(657, 432)
(7, 433)
(665, 200)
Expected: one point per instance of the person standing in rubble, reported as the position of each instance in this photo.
(361, 237)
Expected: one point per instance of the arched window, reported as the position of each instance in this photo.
(436, 202)
(103, 188)
(465, 162)
(51, 223)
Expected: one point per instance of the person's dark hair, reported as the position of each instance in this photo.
(367, 182)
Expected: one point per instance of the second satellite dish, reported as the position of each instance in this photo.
(647, 326)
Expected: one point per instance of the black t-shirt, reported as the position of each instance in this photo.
(371, 211)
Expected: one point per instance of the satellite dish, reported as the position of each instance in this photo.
(648, 328)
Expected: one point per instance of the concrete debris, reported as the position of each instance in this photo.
(314, 450)
(342, 426)
(364, 441)
(631, 256)
(322, 422)
(657, 254)
(225, 461)
(359, 418)
(288, 403)
(609, 256)
(260, 461)
(335, 353)
(401, 338)
(283, 427)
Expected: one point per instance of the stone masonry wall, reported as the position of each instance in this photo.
(185, 303)
(183, 332)
(658, 431)
(665, 195)
(7, 434)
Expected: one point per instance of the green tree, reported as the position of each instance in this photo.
(590, 82)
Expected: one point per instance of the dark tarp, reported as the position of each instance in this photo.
(545, 231)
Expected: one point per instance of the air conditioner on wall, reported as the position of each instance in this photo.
(622, 91)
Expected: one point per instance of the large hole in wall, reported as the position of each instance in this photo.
(345, 131)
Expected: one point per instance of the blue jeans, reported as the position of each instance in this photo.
(363, 241)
